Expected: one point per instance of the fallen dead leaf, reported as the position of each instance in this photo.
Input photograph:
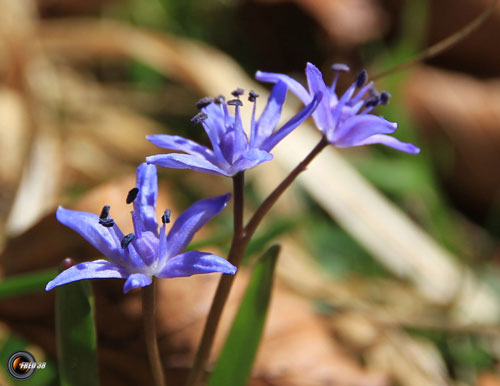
(347, 22)
(460, 116)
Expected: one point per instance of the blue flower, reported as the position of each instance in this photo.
(232, 151)
(345, 121)
(147, 252)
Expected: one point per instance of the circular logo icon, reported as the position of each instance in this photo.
(21, 365)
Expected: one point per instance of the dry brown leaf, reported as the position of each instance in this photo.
(411, 361)
(348, 22)
(462, 113)
(474, 53)
(488, 379)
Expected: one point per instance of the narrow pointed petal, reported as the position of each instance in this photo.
(295, 121)
(322, 115)
(193, 263)
(162, 249)
(184, 161)
(249, 160)
(240, 144)
(215, 121)
(271, 114)
(215, 127)
(175, 142)
(133, 260)
(145, 202)
(360, 127)
(387, 140)
(87, 225)
(99, 269)
(136, 280)
(292, 84)
(191, 220)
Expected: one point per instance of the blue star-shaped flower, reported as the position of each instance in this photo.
(232, 151)
(345, 121)
(147, 252)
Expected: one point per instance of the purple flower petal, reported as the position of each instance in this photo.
(87, 225)
(360, 127)
(194, 262)
(185, 161)
(387, 140)
(134, 260)
(271, 115)
(145, 202)
(99, 269)
(215, 127)
(292, 84)
(136, 280)
(295, 121)
(240, 144)
(162, 248)
(174, 142)
(248, 160)
(191, 220)
(322, 115)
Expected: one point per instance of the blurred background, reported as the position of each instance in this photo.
(389, 273)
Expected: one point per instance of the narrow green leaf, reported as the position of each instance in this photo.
(235, 362)
(76, 335)
(25, 283)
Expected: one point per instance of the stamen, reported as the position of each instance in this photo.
(198, 118)
(68, 262)
(361, 79)
(203, 102)
(132, 195)
(219, 99)
(372, 102)
(105, 212)
(165, 219)
(235, 102)
(340, 67)
(238, 92)
(127, 240)
(252, 96)
(384, 97)
(107, 222)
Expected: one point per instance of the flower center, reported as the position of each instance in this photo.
(147, 247)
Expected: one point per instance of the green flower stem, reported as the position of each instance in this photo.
(235, 255)
(149, 315)
(241, 238)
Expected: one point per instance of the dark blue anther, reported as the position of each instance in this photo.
(127, 240)
(252, 96)
(235, 102)
(372, 102)
(105, 212)
(132, 194)
(238, 92)
(106, 222)
(361, 79)
(165, 219)
(203, 102)
(219, 99)
(340, 67)
(384, 97)
(198, 118)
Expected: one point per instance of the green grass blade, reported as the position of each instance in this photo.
(25, 283)
(76, 335)
(235, 362)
